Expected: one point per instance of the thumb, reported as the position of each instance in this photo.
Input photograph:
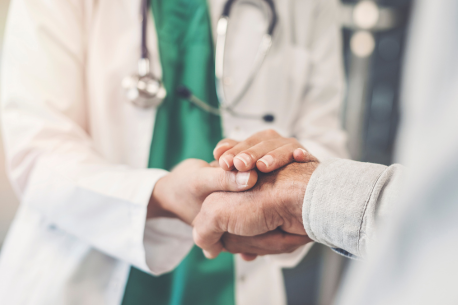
(209, 242)
(214, 179)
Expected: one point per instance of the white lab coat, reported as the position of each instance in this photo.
(77, 152)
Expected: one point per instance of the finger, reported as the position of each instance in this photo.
(208, 238)
(211, 223)
(222, 147)
(274, 242)
(213, 179)
(301, 155)
(247, 158)
(277, 158)
(214, 163)
(226, 160)
(248, 257)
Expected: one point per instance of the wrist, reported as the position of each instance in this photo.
(157, 206)
(295, 192)
(295, 200)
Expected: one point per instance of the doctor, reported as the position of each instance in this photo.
(85, 160)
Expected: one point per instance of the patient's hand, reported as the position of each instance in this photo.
(274, 203)
(266, 150)
(273, 242)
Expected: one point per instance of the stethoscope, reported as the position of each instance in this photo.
(144, 90)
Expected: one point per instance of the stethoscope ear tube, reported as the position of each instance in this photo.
(273, 19)
(144, 13)
(184, 93)
(227, 8)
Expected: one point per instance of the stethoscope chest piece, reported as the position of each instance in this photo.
(144, 91)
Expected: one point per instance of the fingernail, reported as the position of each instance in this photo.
(242, 178)
(267, 160)
(225, 161)
(244, 158)
(304, 151)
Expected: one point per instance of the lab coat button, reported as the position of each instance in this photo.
(241, 278)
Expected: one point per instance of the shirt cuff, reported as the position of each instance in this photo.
(167, 242)
(335, 203)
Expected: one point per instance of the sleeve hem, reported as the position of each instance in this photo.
(336, 200)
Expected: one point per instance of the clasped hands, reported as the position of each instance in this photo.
(249, 201)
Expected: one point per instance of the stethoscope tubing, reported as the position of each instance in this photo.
(185, 93)
(144, 13)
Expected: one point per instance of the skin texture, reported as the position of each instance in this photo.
(266, 150)
(273, 242)
(275, 203)
(181, 193)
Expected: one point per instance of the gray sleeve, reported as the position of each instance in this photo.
(343, 201)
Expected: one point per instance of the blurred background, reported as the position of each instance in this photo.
(8, 201)
(374, 35)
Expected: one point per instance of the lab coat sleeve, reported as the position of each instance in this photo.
(345, 201)
(51, 159)
(318, 125)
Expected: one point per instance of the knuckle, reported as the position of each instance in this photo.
(222, 180)
(252, 140)
(274, 154)
(193, 186)
(285, 154)
(199, 240)
(250, 152)
(229, 152)
(270, 133)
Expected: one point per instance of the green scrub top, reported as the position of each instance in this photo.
(184, 131)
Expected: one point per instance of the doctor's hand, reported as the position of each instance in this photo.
(180, 193)
(274, 203)
(265, 150)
